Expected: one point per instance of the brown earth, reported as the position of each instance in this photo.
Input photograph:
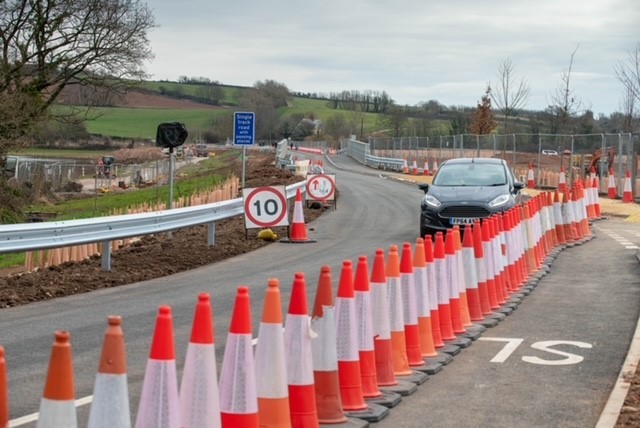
(187, 249)
(149, 100)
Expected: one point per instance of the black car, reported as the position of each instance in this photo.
(466, 189)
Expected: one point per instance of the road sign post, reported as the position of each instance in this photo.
(244, 133)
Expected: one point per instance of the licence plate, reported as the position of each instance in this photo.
(461, 220)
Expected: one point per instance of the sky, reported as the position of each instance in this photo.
(414, 50)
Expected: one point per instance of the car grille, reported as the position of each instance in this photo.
(465, 211)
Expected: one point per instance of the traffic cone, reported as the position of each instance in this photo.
(496, 247)
(442, 278)
(462, 288)
(557, 215)
(4, 392)
(470, 275)
(396, 314)
(531, 184)
(381, 323)
(159, 403)
(612, 189)
(325, 357)
(487, 249)
(433, 292)
(238, 394)
(298, 229)
(453, 280)
(481, 268)
(57, 407)
(300, 377)
(425, 169)
(364, 330)
(589, 200)
(414, 167)
(562, 181)
(412, 338)
(421, 280)
(270, 362)
(596, 202)
(567, 219)
(435, 166)
(405, 167)
(348, 357)
(110, 405)
(199, 396)
(627, 193)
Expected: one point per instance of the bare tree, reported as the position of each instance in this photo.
(510, 93)
(628, 72)
(564, 103)
(46, 46)
(628, 107)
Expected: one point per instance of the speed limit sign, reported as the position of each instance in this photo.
(265, 207)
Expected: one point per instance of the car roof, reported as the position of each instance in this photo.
(475, 160)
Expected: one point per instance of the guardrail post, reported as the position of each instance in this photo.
(211, 234)
(106, 255)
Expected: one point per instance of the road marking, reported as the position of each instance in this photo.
(620, 239)
(33, 417)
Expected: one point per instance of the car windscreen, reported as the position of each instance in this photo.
(470, 174)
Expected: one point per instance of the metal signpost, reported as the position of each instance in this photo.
(244, 133)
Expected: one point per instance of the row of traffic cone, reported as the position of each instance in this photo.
(414, 167)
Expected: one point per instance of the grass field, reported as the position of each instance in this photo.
(231, 93)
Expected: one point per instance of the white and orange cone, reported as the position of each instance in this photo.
(238, 395)
(612, 189)
(381, 324)
(110, 405)
(435, 166)
(562, 181)
(421, 280)
(414, 167)
(364, 330)
(596, 197)
(627, 192)
(405, 167)
(57, 407)
(298, 230)
(396, 315)
(433, 292)
(159, 403)
(347, 347)
(270, 361)
(442, 279)
(325, 357)
(470, 275)
(199, 396)
(298, 341)
(531, 184)
(425, 170)
(4, 392)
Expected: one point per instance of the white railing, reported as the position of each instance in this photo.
(43, 236)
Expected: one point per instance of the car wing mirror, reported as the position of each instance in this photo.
(424, 187)
(518, 186)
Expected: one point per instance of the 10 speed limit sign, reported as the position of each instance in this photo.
(265, 207)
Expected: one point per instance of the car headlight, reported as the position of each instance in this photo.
(500, 200)
(431, 201)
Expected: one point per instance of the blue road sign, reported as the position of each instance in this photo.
(244, 130)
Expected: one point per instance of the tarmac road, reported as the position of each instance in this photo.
(590, 302)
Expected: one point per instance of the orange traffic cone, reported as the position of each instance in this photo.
(562, 181)
(110, 405)
(199, 396)
(57, 407)
(159, 404)
(325, 357)
(421, 280)
(590, 201)
(567, 219)
(489, 263)
(627, 193)
(364, 330)
(238, 395)
(462, 289)
(426, 168)
(381, 323)
(270, 361)
(298, 228)
(596, 196)
(453, 284)
(405, 167)
(442, 278)
(300, 377)
(433, 292)
(481, 267)
(411, 332)
(435, 166)
(414, 167)
(348, 358)
(396, 314)
(4, 392)
(470, 275)
(557, 216)
(531, 184)
(612, 189)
